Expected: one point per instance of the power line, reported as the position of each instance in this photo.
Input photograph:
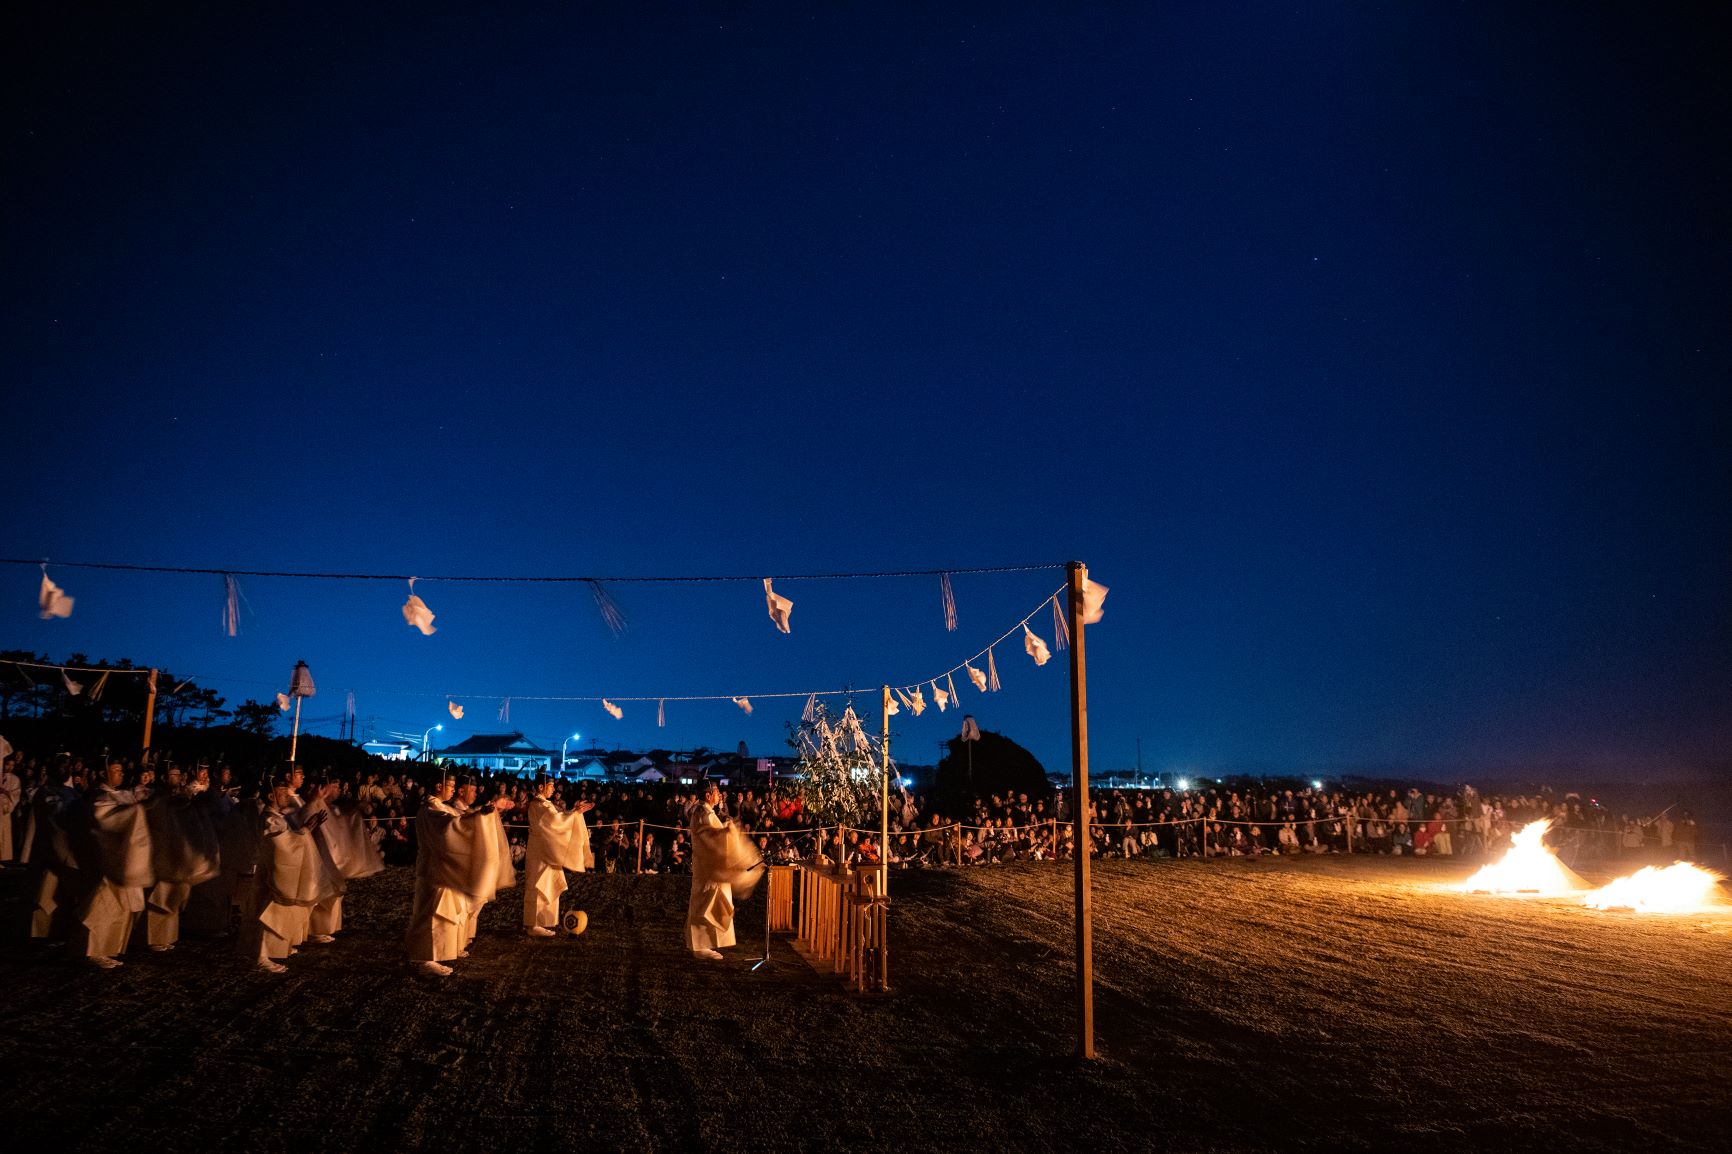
(547, 580)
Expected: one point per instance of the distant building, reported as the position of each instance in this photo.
(389, 750)
(499, 753)
(584, 768)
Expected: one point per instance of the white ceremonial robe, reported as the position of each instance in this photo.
(183, 854)
(345, 853)
(213, 907)
(289, 883)
(11, 795)
(48, 841)
(120, 835)
(557, 842)
(723, 865)
(461, 861)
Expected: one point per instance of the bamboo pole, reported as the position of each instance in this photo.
(1079, 745)
(640, 845)
(295, 734)
(149, 710)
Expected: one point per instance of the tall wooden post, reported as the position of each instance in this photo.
(149, 709)
(884, 805)
(1079, 760)
(881, 919)
(295, 733)
(640, 845)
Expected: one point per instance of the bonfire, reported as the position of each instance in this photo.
(1530, 867)
(1679, 888)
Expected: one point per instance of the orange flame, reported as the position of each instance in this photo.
(1678, 888)
(1528, 868)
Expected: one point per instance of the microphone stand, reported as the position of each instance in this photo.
(765, 960)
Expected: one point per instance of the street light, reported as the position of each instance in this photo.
(425, 736)
(562, 746)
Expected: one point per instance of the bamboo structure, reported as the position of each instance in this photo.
(780, 897)
(840, 921)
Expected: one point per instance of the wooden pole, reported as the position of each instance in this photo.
(149, 709)
(640, 845)
(875, 913)
(1079, 759)
(884, 805)
(295, 734)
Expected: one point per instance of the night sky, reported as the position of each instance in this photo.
(1375, 357)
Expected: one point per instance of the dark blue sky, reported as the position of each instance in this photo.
(1376, 359)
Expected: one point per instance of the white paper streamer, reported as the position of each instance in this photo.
(780, 607)
(1035, 646)
(416, 614)
(52, 601)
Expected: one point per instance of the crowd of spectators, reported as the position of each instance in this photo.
(639, 827)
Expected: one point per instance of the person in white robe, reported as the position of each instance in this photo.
(463, 801)
(11, 797)
(461, 862)
(120, 846)
(725, 866)
(290, 878)
(215, 908)
(50, 839)
(558, 841)
(183, 853)
(345, 853)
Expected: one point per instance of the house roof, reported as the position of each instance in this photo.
(493, 743)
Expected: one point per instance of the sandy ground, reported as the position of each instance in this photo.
(1243, 1005)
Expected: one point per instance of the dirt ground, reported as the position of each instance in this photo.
(1242, 1005)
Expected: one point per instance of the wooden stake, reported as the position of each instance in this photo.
(1079, 759)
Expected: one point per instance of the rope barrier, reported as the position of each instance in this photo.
(919, 833)
(75, 668)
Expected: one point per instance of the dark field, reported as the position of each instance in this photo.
(1242, 1005)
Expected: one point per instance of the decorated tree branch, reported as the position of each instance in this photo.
(838, 767)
